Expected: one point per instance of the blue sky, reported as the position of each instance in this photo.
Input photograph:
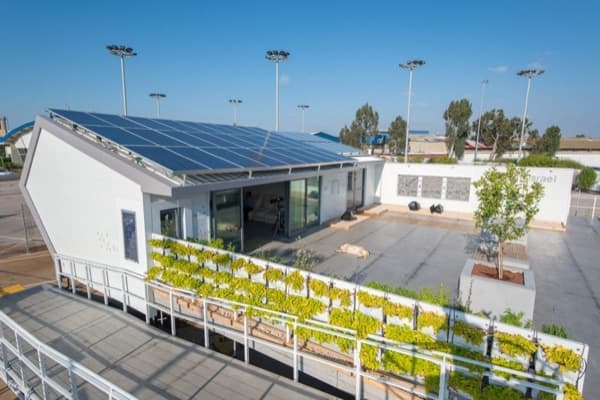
(343, 54)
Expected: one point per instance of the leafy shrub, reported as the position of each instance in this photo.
(433, 320)
(443, 160)
(397, 310)
(305, 259)
(470, 333)
(586, 178)
(514, 318)
(295, 280)
(441, 297)
(566, 359)
(514, 345)
(555, 330)
(369, 300)
(274, 275)
(544, 160)
(343, 295)
(318, 287)
(404, 334)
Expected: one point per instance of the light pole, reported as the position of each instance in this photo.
(483, 83)
(157, 97)
(277, 56)
(303, 107)
(529, 73)
(122, 52)
(409, 65)
(234, 103)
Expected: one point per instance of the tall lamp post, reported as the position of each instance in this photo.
(529, 74)
(303, 107)
(483, 84)
(122, 52)
(157, 97)
(409, 65)
(234, 103)
(277, 56)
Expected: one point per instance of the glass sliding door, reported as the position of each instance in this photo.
(356, 194)
(305, 203)
(297, 204)
(313, 201)
(227, 216)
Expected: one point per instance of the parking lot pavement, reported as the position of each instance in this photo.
(418, 255)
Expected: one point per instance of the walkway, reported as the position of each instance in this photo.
(138, 358)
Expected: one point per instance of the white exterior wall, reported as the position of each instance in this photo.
(554, 206)
(79, 201)
(373, 173)
(591, 159)
(334, 189)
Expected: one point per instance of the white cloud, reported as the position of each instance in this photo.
(500, 69)
(284, 80)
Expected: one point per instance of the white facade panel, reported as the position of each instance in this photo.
(80, 201)
(334, 189)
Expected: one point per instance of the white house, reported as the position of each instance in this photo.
(99, 185)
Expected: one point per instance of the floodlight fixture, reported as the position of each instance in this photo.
(158, 97)
(303, 108)
(410, 66)
(122, 52)
(277, 56)
(234, 103)
(529, 74)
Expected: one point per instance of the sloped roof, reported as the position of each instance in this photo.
(582, 144)
(14, 134)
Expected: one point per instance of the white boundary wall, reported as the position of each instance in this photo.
(554, 206)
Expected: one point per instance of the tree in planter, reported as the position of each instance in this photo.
(507, 204)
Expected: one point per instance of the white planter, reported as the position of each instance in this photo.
(493, 296)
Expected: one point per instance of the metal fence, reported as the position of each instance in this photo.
(117, 283)
(18, 231)
(34, 370)
(584, 205)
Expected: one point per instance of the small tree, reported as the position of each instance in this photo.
(507, 204)
(586, 178)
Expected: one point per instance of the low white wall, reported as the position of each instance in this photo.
(588, 159)
(554, 205)
(334, 189)
(373, 173)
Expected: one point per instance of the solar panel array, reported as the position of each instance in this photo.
(197, 147)
(323, 144)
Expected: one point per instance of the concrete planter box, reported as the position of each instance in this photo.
(493, 296)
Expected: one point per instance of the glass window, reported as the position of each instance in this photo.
(297, 204)
(228, 216)
(313, 197)
(129, 235)
(170, 223)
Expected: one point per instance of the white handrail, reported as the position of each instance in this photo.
(73, 367)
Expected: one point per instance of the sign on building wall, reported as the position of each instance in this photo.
(130, 235)
(431, 187)
(458, 188)
(408, 185)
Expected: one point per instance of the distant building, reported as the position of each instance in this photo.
(584, 150)
(16, 141)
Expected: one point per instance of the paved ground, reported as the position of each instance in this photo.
(417, 253)
(138, 358)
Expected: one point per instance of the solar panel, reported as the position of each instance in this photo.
(194, 147)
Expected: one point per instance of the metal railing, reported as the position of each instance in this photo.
(24, 367)
(584, 205)
(114, 282)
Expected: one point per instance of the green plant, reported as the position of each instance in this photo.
(401, 364)
(368, 357)
(586, 178)
(566, 359)
(555, 330)
(571, 393)
(274, 275)
(433, 320)
(305, 259)
(363, 324)
(404, 334)
(252, 269)
(443, 160)
(440, 297)
(503, 362)
(512, 318)
(222, 259)
(370, 300)
(544, 160)
(508, 201)
(295, 280)
(343, 295)
(468, 385)
(153, 273)
(470, 333)
(318, 287)
(494, 392)
(515, 345)
(237, 264)
(397, 310)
